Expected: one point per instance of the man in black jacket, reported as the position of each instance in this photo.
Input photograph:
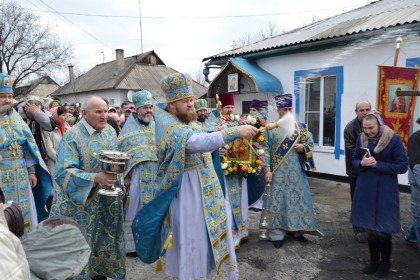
(351, 134)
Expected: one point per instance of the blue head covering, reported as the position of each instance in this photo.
(142, 98)
(177, 86)
(6, 83)
(284, 100)
(200, 104)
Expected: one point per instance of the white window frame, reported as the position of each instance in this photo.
(318, 146)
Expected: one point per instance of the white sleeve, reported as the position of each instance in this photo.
(204, 142)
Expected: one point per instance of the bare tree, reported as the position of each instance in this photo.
(28, 49)
(246, 40)
(269, 31)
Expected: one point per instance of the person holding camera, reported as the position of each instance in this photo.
(38, 121)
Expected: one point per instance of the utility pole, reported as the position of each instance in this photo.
(141, 30)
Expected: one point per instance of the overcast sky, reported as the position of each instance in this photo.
(181, 33)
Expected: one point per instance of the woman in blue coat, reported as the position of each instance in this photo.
(376, 199)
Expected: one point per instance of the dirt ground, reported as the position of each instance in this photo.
(335, 256)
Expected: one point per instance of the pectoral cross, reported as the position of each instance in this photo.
(14, 147)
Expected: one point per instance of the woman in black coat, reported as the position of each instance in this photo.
(376, 199)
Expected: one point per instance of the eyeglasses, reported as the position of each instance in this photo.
(132, 108)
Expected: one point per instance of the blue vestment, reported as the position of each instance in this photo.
(290, 207)
(137, 140)
(152, 227)
(77, 197)
(14, 167)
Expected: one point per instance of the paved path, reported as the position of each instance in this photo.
(335, 256)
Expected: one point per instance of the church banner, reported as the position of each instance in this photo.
(397, 111)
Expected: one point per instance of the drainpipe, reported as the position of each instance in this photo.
(206, 71)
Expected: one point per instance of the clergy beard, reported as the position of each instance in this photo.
(5, 108)
(145, 119)
(201, 119)
(187, 117)
(287, 124)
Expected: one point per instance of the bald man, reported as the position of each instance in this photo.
(79, 177)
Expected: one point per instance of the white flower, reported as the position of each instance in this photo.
(248, 118)
(232, 117)
(225, 172)
(253, 121)
(237, 118)
(253, 170)
(224, 165)
(260, 151)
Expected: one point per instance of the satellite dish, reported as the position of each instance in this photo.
(130, 95)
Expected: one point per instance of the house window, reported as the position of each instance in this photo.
(318, 103)
(320, 108)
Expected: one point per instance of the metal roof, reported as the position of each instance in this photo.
(376, 15)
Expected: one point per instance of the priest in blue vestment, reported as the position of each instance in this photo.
(138, 139)
(187, 219)
(79, 177)
(288, 157)
(25, 178)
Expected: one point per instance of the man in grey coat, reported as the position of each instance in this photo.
(38, 120)
(351, 133)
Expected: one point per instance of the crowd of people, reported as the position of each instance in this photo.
(177, 201)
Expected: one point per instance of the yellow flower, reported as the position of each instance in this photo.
(261, 138)
(224, 159)
(258, 161)
(230, 169)
(249, 169)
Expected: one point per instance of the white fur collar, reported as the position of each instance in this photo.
(383, 141)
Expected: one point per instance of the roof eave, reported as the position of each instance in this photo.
(278, 50)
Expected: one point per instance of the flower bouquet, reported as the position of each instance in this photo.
(243, 156)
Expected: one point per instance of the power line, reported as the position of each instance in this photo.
(194, 17)
(61, 14)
